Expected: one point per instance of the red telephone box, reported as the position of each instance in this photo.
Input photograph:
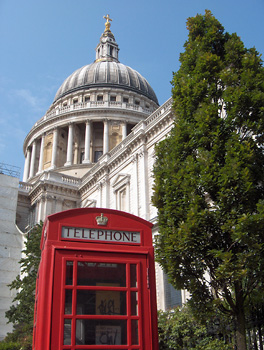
(96, 283)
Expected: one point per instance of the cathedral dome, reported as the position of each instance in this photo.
(108, 73)
(94, 110)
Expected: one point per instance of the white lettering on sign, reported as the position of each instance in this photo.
(93, 234)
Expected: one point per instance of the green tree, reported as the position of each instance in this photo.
(21, 313)
(209, 183)
(180, 330)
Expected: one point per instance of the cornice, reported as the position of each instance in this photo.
(47, 186)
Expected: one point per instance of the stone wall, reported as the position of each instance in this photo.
(10, 246)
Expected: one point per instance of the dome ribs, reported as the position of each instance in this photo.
(106, 73)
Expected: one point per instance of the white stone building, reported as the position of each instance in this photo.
(95, 147)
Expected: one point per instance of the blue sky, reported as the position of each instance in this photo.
(43, 42)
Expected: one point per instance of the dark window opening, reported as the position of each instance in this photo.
(97, 155)
(81, 157)
(129, 128)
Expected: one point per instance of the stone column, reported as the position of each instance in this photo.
(69, 146)
(105, 191)
(106, 136)
(45, 201)
(124, 130)
(100, 195)
(48, 206)
(33, 158)
(26, 166)
(75, 153)
(128, 197)
(87, 155)
(135, 201)
(39, 208)
(40, 167)
(59, 204)
(144, 193)
(54, 148)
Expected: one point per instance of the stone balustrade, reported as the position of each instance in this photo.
(60, 178)
(93, 104)
(25, 187)
(51, 177)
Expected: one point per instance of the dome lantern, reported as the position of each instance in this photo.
(107, 49)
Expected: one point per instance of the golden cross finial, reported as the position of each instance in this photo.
(107, 24)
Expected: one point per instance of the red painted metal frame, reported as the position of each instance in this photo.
(140, 261)
(49, 307)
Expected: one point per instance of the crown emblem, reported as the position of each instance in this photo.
(101, 220)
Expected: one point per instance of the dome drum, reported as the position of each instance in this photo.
(121, 112)
(68, 144)
(107, 97)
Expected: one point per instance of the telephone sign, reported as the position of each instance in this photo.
(96, 283)
(89, 234)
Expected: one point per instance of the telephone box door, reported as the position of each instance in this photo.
(100, 301)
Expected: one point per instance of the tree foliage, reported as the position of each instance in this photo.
(209, 184)
(180, 330)
(21, 313)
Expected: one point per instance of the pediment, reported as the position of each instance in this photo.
(120, 180)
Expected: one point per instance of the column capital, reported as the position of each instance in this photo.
(33, 143)
(27, 164)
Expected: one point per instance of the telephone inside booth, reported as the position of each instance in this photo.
(96, 284)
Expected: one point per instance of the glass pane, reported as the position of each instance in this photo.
(94, 274)
(68, 302)
(133, 275)
(134, 332)
(134, 303)
(101, 302)
(85, 303)
(69, 272)
(101, 332)
(67, 332)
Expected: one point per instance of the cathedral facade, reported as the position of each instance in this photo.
(95, 147)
